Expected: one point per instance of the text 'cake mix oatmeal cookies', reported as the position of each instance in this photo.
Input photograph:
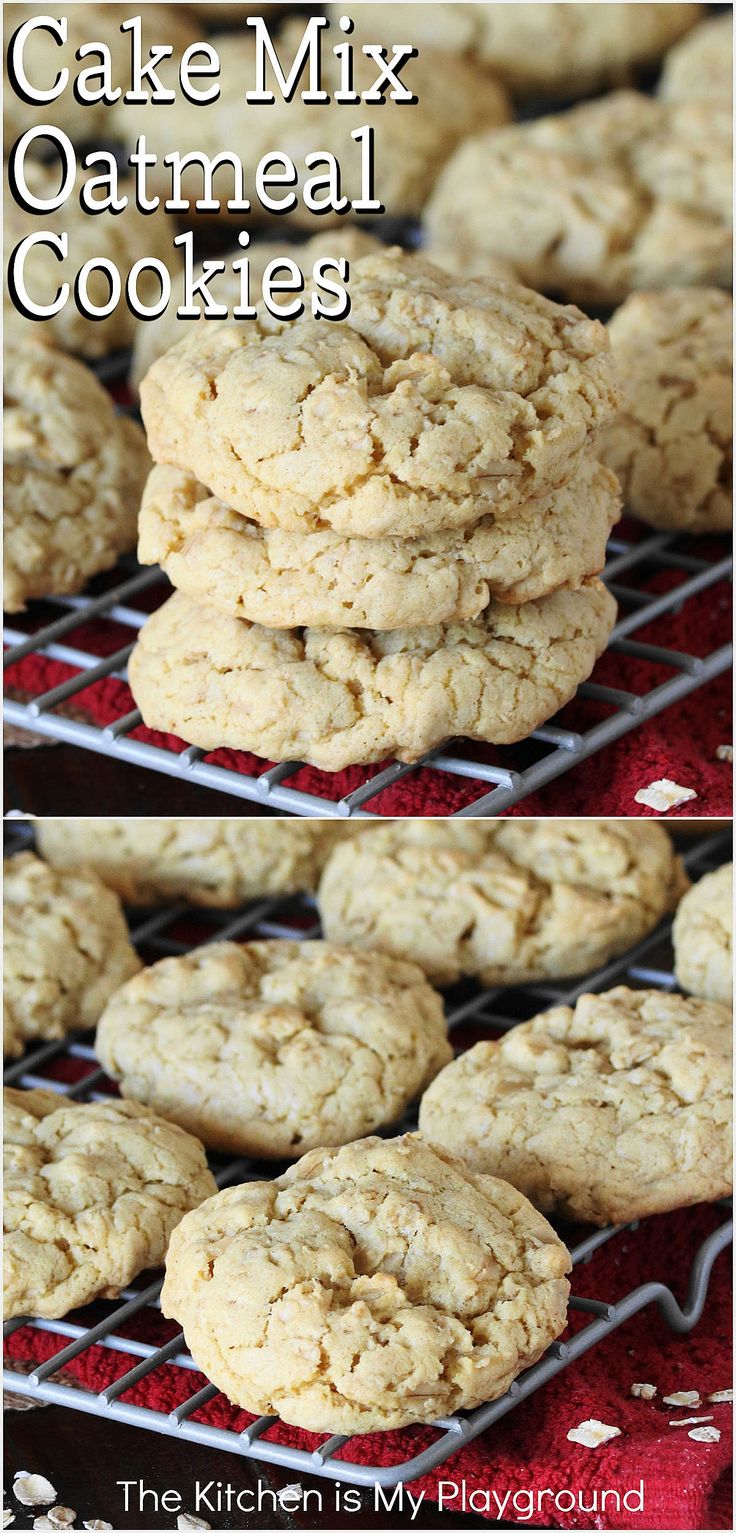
(411, 141)
(671, 445)
(211, 862)
(66, 949)
(544, 51)
(703, 937)
(157, 336)
(440, 402)
(324, 580)
(368, 1288)
(333, 697)
(622, 193)
(122, 238)
(273, 1048)
(702, 64)
(508, 901)
(92, 1192)
(614, 1109)
(74, 472)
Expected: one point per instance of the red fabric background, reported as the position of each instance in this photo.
(686, 1483)
(679, 743)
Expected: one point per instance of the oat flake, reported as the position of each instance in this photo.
(592, 1433)
(705, 1435)
(682, 1397)
(33, 1489)
(664, 794)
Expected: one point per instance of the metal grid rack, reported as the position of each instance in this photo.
(487, 1012)
(552, 749)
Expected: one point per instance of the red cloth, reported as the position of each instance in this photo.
(679, 743)
(685, 1482)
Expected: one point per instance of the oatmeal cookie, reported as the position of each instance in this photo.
(538, 51)
(442, 401)
(412, 142)
(66, 949)
(92, 1193)
(671, 444)
(122, 238)
(323, 580)
(369, 1287)
(615, 195)
(154, 338)
(210, 862)
(44, 57)
(336, 696)
(701, 66)
(703, 937)
(510, 901)
(273, 1048)
(74, 472)
(605, 1112)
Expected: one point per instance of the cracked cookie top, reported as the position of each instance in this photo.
(703, 937)
(701, 66)
(333, 696)
(440, 401)
(369, 1287)
(74, 473)
(214, 862)
(506, 900)
(671, 445)
(614, 1109)
(271, 1048)
(92, 1192)
(324, 580)
(66, 949)
(623, 193)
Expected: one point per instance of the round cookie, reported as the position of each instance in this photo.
(619, 194)
(273, 1048)
(411, 142)
(442, 401)
(122, 238)
(323, 580)
(368, 1288)
(549, 51)
(210, 862)
(157, 336)
(74, 472)
(336, 696)
(66, 949)
(701, 66)
(44, 57)
(92, 1192)
(509, 901)
(614, 1109)
(671, 444)
(702, 937)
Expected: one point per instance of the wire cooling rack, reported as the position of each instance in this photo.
(483, 1012)
(556, 747)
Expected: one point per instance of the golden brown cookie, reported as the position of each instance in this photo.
(369, 1287)
(92, 1192)
(613, 1109)
(703, 937)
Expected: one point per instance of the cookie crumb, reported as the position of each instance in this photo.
(186, 1520)
(689, 1421)
(705, 1435)
(720, 1397)
(592, 1433)
(682, 1397)
(724, 753)
(33, 1489)
(664, 794)
(643, 1391)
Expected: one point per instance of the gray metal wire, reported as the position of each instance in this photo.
(557, 747)
(159, 934)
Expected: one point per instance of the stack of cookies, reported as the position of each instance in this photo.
(382, 532)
